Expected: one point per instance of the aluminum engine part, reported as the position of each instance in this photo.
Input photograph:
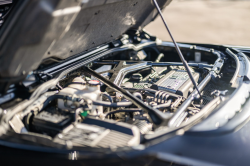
(176, 81)
(79, 88)
(143, 126)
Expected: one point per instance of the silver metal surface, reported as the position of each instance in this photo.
(128, 69)
(173, 82)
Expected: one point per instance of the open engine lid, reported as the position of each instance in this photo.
(36, 30)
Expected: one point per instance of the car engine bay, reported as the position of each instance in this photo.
(125, 96)
(83, 81)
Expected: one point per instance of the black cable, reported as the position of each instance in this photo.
(54, 97)
(109, 98)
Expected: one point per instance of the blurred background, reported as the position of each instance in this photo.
(205, 21)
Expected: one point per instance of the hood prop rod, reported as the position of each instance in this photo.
(185, 64)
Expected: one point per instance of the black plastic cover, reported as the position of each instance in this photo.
(51, 121)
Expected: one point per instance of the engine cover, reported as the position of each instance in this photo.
(176, 81)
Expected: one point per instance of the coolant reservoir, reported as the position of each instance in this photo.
(93, 93)
(80, 89)
(77, 83)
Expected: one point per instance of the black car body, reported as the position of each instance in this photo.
(82, 83)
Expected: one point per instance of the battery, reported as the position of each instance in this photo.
(51, 121)
(176, 81)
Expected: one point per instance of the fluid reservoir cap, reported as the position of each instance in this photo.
(94, 83)
(136, 77)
